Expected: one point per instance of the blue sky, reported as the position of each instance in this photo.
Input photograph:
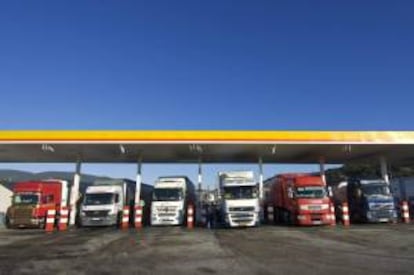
(324, 65)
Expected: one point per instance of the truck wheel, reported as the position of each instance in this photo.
(354, 218)
(285, 217)
(276, 215)
(280, 216)
(288, 217)
(7, 222)
(118, 220)
(42, 225)
(292, 219)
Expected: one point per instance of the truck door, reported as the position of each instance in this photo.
(48, 199)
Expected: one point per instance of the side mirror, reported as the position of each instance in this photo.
(390, 191)
(330, 193)
(290, 192)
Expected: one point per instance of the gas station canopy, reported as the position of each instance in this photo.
(207, 146)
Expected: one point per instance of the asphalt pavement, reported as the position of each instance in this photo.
(361, 249)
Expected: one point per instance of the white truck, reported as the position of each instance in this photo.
(239, 205)
(104, 200)
(171, 197)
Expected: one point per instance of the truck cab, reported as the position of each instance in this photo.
(370, 201)
(300, 199)
(171, 197)
(312, 204)
(240, 199)
(32, 199)
(104, 201)
(101, 206)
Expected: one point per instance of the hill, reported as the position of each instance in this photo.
(9, 177)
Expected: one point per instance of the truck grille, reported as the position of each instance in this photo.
(166, 211)
(236, 209)
(96, 213)
(383, 214)
(382, 207)
(316, 217)
(166, 214)
(22, 216)
(242, 217)
(23, 213)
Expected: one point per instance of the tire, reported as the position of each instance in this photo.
(290, 218)
(7, 222)
(118, 220)
(279, 216)
(265, 219)
(276, 215)
(285, 217)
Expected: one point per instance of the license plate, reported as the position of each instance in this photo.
(383, 220)
(96, 219)
(317, 222)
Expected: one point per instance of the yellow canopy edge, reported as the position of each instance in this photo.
(203, 135)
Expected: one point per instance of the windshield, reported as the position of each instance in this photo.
(310, 192)
(240, 192)
(375, 189)
(99, 199)
(29, 198)
(167, 194)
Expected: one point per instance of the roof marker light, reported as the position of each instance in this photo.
(48, 148)
(122, 149)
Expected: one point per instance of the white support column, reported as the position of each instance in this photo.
(218, 188)
(200, 179)
(322, 169)
(260, 178)
(384, 169)
(74, 193)
(138, 182)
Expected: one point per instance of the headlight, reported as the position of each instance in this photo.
(325, 206)
(369, 215)
(301, 217)
(82, 213)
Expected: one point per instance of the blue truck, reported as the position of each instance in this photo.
(369, 201)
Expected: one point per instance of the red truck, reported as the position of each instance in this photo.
(299, 199)
(32, 199)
